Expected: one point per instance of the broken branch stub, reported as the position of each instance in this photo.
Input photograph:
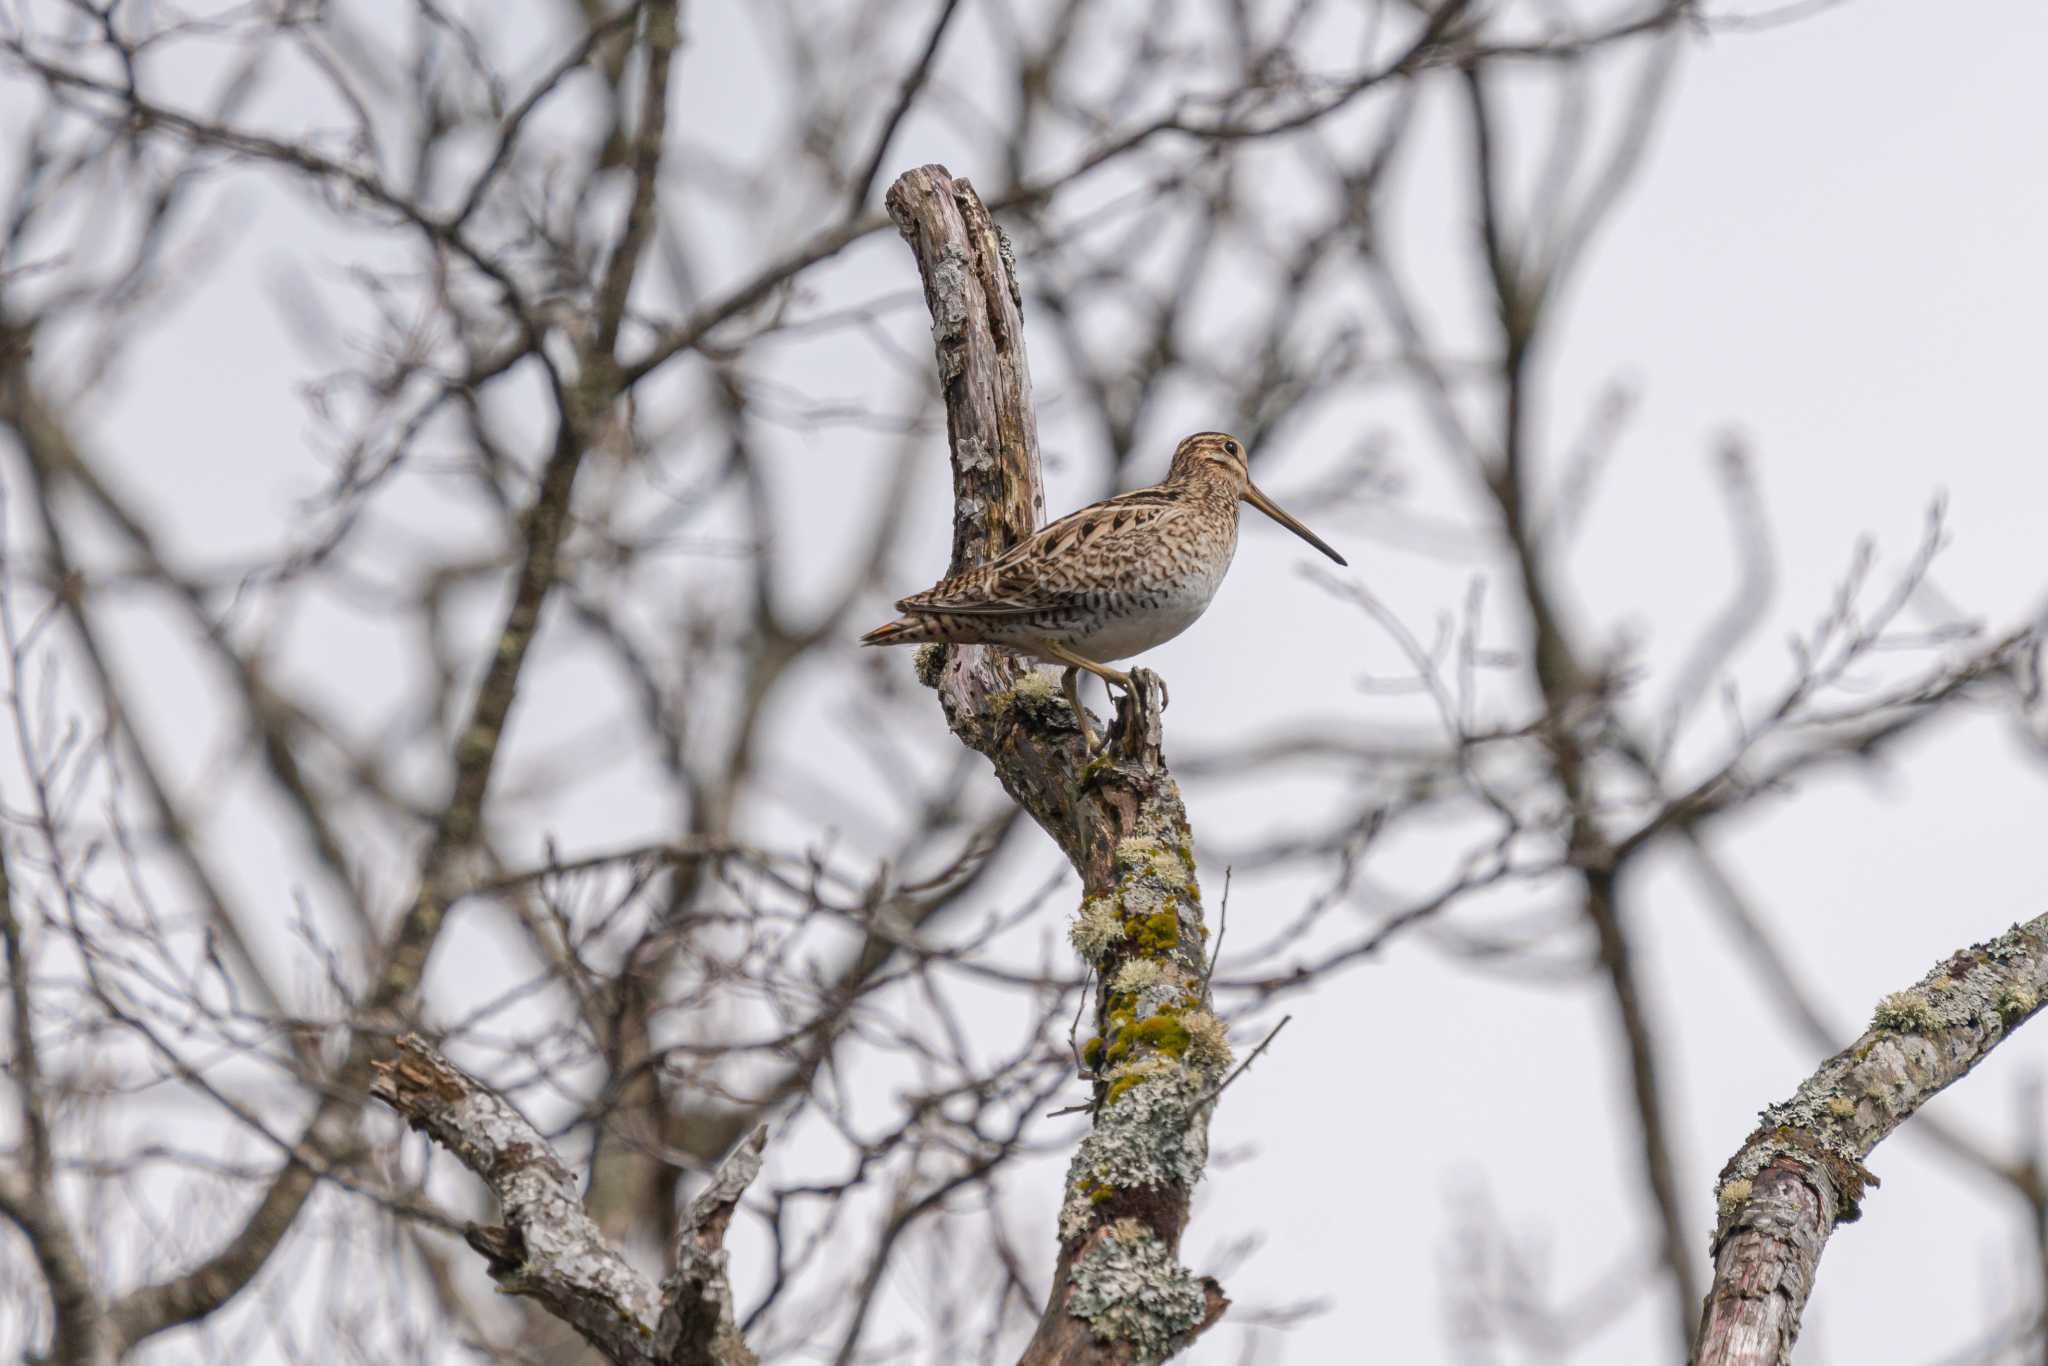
(1120, 1294)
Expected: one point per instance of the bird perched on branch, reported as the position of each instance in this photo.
(1107, 582)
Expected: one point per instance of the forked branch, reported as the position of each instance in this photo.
(550, 1249)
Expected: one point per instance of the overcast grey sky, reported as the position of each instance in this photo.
(1834, 253)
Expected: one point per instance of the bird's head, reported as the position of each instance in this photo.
(1221, 457)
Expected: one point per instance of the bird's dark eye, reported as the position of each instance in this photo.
(1230, 448)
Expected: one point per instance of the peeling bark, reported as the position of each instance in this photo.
(1801, 1172)
(1119, 1292)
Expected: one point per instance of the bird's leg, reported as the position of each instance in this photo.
(1101, 671)
(1130, 711)
(1070, 685)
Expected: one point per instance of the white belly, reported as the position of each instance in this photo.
(1172, 609)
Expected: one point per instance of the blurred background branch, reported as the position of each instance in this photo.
(447, 451)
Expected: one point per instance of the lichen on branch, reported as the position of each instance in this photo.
(1158, 1053)
(550, 1249)
(1801, 1172)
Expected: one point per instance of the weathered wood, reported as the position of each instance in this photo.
(978, 333)
(550, 1249)
(1801, 1172)
(1119, 1292)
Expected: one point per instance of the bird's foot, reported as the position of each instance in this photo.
(1137, 734)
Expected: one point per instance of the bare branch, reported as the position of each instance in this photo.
(85, 1336)
(548, 1247)
(1801, 1172)
(697, 1323)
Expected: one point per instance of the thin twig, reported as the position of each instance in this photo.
(1249, 1059)
(907, 96)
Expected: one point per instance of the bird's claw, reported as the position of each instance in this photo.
(1129, 724)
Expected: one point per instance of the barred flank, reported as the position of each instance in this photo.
(902, 631)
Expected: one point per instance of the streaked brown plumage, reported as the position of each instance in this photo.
(1107, 582)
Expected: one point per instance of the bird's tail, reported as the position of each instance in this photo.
(902, 631)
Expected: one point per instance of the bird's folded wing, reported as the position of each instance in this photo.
(1016, 588)
(1083, 552)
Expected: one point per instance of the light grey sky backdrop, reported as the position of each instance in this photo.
(1835, 251)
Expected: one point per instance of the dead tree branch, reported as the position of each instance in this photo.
(550, 1249)
(1801, 1172)
(1119, 1292)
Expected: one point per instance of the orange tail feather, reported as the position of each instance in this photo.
(902, 631)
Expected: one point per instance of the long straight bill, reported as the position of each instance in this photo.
(1273, 510)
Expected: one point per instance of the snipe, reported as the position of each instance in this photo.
(1107, 582)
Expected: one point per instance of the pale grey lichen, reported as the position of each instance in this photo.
(1161, 998)
(2016, 943)
(1142, 898)
(1137, 975)
(1920, 1040)
(1136, 1070)
(1035, 696)
(1909, 1012)
(1148, 858)
(972, 453)
(1008, 254)
(947, 298)
(1813, 1127)
(1142, 853)
(1973, 988)
(1095, 927)
(1129, 1289)
(1037, 684)
(1155, 1135)
(1075, 1214)
(1813, 1111)
(1153, 902)
(1155, 987)
(1208, 1042)
(1155, 889)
